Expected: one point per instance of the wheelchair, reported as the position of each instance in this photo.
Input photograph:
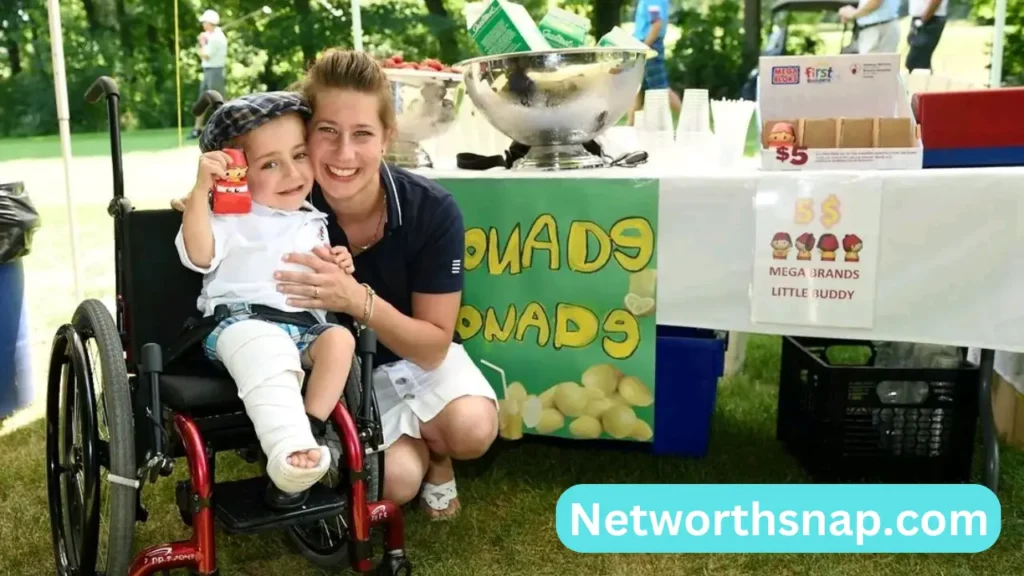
(125, 403)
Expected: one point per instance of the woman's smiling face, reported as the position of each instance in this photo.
(346, 142)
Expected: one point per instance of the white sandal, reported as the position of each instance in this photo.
(440, 501)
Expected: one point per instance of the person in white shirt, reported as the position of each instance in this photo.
(927, 21)
(213, 50)
(878, 25)
(264, 343)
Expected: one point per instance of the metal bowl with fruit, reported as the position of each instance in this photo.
(426, 96)
(556, 100)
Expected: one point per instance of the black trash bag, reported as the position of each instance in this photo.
(18, 222)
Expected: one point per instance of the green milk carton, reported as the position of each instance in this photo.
(564, 29)
(506, 27)
(619, 38)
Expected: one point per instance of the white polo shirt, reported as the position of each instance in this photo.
(247, 251)
(917, 8)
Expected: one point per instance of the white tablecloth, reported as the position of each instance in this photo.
(951, 266)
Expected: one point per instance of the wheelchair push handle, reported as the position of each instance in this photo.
(103, 86)
(106, 87)
(210, 100)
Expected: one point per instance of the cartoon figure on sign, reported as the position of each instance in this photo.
(231, 193)
(852, 244)
(828, 244)
(782, 134)
(781, 243)
(804, 245)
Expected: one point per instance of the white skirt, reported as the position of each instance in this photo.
(407, 395)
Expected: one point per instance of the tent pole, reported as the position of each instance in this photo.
(996, 70)
(60, 85)
(357, 26)
(177, 70)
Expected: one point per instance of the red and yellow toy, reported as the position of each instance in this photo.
(828, 244)
(782, 134)
(852, 244)
(781, 243)
(231, 194)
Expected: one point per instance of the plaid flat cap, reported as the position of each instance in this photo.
(246, 113)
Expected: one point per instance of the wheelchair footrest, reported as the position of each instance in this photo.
(240, 508)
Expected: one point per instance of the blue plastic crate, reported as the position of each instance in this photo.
(689, 363)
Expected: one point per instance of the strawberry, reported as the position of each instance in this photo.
(388, 63)
(425, 68)
(397, 58)
(408, 66)
(432, 63)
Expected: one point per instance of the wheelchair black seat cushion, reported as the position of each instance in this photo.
(190, 393)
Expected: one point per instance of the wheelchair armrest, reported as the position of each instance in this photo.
(366, 342)
(150, 368)
(366, 348)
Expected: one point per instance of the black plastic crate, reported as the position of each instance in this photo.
(832, 420)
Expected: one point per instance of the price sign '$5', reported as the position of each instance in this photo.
(797, 155)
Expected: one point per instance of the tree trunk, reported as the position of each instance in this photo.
(448, 44)
(90, 15)
(306, 38)
(13, 56)
(124, 22)
(607, 15)
(751, 30)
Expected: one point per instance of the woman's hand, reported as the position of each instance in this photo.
(327, 287)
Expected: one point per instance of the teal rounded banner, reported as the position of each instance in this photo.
(784, 518)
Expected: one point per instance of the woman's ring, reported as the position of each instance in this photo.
(316, 291)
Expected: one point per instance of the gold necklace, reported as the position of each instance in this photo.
(378, 228)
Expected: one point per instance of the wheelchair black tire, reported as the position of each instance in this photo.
(336, 558)
(93, 321)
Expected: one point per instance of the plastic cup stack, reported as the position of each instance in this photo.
(732, 122)
(657, 131)
(694, 140)
(694, 116)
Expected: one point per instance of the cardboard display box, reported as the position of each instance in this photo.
(1008, 412)
(847, 112)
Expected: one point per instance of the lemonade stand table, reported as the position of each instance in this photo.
(937, 256)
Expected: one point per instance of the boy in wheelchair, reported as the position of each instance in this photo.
(264, 344)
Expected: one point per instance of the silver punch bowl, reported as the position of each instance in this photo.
(426, 106)
(555, 100)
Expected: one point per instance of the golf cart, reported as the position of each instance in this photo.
(780, 20)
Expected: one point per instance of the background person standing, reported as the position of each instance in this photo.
(927, 21)
(213, 49)
(650, 24)
(878, 25)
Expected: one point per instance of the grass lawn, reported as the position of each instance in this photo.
(507, 525)
(89, 144)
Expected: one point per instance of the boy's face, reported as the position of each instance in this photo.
(280, 174)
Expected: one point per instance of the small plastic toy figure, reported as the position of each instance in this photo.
(852, 244)
(828, 244)
(804, 244)
(781, 243)
(231, 194)
(782, 134)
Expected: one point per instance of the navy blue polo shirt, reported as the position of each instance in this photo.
(422, 247)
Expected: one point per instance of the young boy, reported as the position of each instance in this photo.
(238, 255)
